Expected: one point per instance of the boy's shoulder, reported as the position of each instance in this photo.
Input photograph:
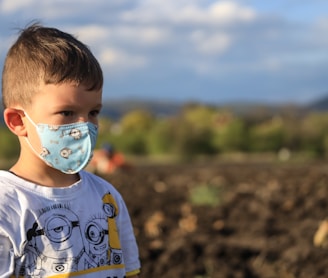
(90, 177)
(7, 179)
(97, 181)
(5, 173)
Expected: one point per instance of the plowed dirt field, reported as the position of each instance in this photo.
(253, 219)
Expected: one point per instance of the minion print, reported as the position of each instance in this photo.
(110, 208)
(53, 127)
(65, 153)
(96, 233)
(60, 242)
(44, 152)
(52, 233)
(75, 133)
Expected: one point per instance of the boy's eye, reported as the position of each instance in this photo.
(94, 113)
(66, 113)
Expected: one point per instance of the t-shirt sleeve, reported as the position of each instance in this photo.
(128, 240)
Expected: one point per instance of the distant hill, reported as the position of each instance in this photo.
(115, 109)
(320, 104)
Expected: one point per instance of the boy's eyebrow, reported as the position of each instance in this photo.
(99, 106)
(74, 106)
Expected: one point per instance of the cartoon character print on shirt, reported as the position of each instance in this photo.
(111, 211)
(102, 235)
(58, 241)
(56, 232)
(96, 234)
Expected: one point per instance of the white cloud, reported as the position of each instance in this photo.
(200, 37)
(9, 6)
(91, 33)
(151, 11)
(144, 35)
(219, 12)
(211, 44)
(132, 35)
(228, 11)
(116, 60)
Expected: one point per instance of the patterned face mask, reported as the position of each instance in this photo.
(67, 148)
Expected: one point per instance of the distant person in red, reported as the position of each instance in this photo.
(106, 160)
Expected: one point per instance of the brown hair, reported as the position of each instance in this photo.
(47, 55)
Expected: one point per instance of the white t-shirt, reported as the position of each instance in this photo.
(50, 232)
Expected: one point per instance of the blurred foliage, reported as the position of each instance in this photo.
(159, 137)
(9, 145)
(267, 136)
(314, 132)
(205, 130)
(230, 133)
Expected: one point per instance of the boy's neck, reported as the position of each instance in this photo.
(42, 174)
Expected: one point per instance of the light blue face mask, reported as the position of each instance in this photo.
(67, 148)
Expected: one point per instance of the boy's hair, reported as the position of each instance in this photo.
(43, 55)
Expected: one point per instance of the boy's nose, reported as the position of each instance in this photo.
(83, 118)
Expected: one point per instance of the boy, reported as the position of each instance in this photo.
(55, 219)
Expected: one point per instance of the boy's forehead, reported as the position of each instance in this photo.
(65, 87)
(67, 94)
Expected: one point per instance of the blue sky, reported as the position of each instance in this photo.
(193, 50)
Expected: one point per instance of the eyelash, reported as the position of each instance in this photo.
(93, 113)
(66, 113)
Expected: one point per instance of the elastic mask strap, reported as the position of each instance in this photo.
(30, 120)
(28, 141)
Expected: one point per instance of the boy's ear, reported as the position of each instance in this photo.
(14, 121)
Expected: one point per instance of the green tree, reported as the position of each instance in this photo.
(267, 136)
(314, 129)
(230, 133)
(193, 130)
(135, 126)
(159, 138)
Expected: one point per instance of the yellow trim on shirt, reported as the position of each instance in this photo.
(133, 272)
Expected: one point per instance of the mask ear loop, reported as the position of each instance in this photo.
(27, 140)
(30, 120)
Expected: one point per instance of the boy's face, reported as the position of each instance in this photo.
(62, 104)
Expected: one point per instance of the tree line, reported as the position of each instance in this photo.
(205, 130)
